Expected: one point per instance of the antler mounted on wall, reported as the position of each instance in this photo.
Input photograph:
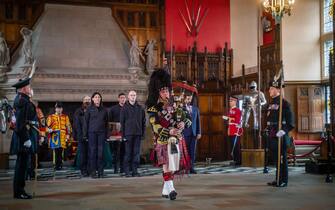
(194, 21)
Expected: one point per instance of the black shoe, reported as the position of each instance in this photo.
(85, 174)
(94, 176)
(173, 195)
(165, 196)
(101, 175)
(283, 184)
(136, 175)
(23, 196)
(128, 175)
(192, 171)
(274, 183)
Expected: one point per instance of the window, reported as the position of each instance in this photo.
(328, 45)
(326, 37)
(327, 97)
(327, 19)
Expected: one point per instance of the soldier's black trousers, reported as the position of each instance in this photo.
(20, 173)
(284, 166)
(237, 149)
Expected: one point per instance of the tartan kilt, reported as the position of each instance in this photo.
(159, 156)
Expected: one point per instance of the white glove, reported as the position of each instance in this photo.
(225, 117)
(49, 130)
(280, 133)
(41, 140)
(27, 143)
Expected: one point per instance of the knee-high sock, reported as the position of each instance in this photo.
(168, 182)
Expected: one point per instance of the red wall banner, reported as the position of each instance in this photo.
(213, 33)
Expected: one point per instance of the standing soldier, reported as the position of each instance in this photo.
(234, 129)
(274, 135)
(21, 139)
(60, 130)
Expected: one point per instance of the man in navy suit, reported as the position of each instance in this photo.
(193, 133)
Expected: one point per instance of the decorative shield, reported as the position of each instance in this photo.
(54, 140)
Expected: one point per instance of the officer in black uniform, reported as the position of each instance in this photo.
(21, 144)
(272, 121)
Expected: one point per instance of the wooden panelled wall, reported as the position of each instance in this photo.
(16, 14)
(211, 73)
(202, 68)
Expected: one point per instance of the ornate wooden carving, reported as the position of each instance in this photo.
(203, 68)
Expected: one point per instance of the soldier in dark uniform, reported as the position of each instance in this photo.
(21, 144)
(272, 121)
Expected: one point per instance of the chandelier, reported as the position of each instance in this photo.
(278, 8)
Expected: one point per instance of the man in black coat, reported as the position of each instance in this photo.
(117, 146)
(132, 121)
(21, 142)
(78, 133)
(272, 121)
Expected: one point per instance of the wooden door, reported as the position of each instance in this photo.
(212, 144)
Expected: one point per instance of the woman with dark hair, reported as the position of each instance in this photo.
(95, 130)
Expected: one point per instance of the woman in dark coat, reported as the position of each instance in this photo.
(95, 129)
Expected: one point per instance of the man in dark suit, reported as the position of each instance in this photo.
(21, 141)
(193, 133)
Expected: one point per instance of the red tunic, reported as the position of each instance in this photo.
(234, 121)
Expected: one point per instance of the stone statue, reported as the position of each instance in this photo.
(134, 53)
(250, 103)
(149, 52)
(27, 45)
(4, 52)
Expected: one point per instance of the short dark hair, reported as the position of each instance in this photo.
(121, 94)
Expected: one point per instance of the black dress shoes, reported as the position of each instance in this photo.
(274, 183)
(23, 196)
(283, 184)
(192, 171)
(165, 196)
(173, 195)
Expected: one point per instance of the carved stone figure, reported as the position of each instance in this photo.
(250, 103)
(27, 45)
(149, 52)
(134, 53)
(4, 52)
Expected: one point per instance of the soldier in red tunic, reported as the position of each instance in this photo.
(234, 129)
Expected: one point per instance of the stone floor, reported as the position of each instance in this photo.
(229, 188)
